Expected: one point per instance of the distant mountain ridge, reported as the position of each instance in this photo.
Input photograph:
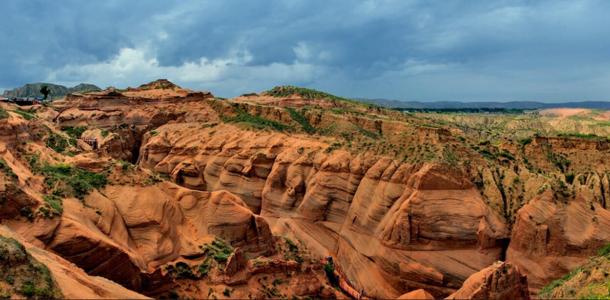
(57, 91)
(487, 104)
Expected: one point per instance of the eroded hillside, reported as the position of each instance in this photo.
(171, 192)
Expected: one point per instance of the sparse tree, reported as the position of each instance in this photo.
(45, 91)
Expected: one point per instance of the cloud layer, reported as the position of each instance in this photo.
(401, 49)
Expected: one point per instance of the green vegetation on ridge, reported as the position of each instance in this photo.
(289, 90)
(589, 281)
(64, 180)
(298, 117)
(257, 122)
(23, 275)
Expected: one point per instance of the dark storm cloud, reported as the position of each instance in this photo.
(416, 50)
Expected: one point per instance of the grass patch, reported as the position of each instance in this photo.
(25, 114)
(257, 122)
(548, 289)
(587, 136)
(204, 267)
(74, 132)
(65, 180)
(23, 275)
(293, 251)
(305, 93)
(289, 90)
(218, 249)
(298, 117)
(57, 142)
(604, 251)
(55, 204)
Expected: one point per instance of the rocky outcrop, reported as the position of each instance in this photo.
(350, 199)
(551, 237)
(65, 279)
(500, 281)
(127, 232)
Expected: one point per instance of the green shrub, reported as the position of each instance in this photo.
(125, 165)
(504, 153)
(27, 289)
(487, 154)
(570, 178)
(66, 180)
(219, 250)
(604, 251)
(183, 271)
(449, 157)
(74, 132)
(329, 269)
(57, 142)
(27, 212)
(277, 281)
(293, 251)
(301, 119)
(255, 121)
(204, 268)
(525, 141)
(558, 159)
(55, 202)
(334, 146)
(105, 133)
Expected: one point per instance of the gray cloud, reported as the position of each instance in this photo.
(412, 50)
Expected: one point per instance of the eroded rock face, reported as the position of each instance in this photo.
(551, 237)
(500, 281)
(391, 227)
(126, 233)
(380, 215)
(72, 281)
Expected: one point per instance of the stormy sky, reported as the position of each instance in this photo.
(398, 49)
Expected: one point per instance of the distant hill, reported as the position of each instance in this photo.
(57, 91)
(498, 105)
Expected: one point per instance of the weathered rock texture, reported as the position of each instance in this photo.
(551, 237)
(378, 214)
(500, 281)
